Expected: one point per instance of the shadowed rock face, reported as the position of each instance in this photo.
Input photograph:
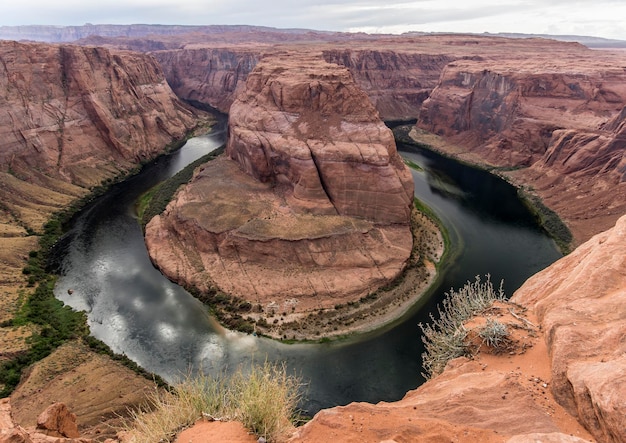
(397, 82)
(212, 76)
(558, 121)
(306, 125)
(81, 113)
(311, 205)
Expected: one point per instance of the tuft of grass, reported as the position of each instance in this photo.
(264, 398)
(444, 337)
(170, 411)
(494, 333)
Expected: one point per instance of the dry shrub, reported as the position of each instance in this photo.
(444, 337)
(264, 399)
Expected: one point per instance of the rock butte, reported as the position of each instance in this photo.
(311, 207)
(485, 96)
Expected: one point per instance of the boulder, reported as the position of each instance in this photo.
(57, 420)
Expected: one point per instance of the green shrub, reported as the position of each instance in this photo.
(494, 333)
(444, 337)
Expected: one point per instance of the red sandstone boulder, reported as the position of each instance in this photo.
(580, 301)
(57, 420)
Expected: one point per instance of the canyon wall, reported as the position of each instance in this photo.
(552, 124)
(80, 114)
(212, 76)
(396, 81)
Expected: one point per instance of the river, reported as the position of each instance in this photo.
(138, 312)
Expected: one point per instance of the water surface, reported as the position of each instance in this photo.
(138, 312)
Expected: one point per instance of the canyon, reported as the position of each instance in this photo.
(547, 115)
(310, 209)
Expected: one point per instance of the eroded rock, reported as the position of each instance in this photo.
(312, 206)
(580, 302)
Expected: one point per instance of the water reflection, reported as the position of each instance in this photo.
(138, 312)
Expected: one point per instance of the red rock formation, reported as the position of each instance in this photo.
(319, 215)
(558, 119)
(580, 301)
(309, 127)
(396, 81)
(55, 425)
(212, 76)
(81, 113)
(57, 421)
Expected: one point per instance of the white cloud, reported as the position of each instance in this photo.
(600, 18)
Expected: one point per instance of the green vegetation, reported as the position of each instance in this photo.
(55, 323)
(549, 220)
(156, 199)
(494, 333)
(444, 337)
(264, 399)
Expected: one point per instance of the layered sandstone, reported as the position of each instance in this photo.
(554, 120)
(581, 304)
(81, 113)
(396, 81)
(567, 362)
(309, 209)
(212, 76)
(71, 118)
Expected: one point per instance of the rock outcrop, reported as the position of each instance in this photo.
(556, 122)
(56, 424)
(81, 113)
(396, 81)
(579, 306)
(212, 76)
(581, 303)
(312, 206)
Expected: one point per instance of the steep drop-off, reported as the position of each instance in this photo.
(554, 121)
(569, 359)
(213, 76)
(71, 118)
(311, 207)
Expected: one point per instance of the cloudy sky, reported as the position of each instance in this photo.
(602, 18)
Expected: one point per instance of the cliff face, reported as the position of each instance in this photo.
(316, 131)
(208, 75)
(580, 301)
(81, 114)
(558, 124)
(312, 206)
(397, 82)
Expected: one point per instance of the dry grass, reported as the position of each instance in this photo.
(266, 399)
(263, 398)
(445, 337)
